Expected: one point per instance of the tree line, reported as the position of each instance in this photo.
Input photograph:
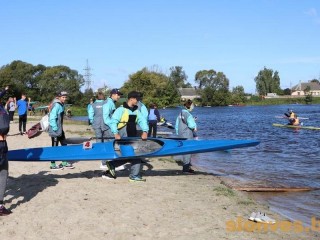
(41, 83)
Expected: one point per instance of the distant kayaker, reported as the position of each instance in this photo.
(185, 127)
(292, 117)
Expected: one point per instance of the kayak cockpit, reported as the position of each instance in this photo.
(132, 147)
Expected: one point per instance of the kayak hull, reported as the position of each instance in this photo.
(129, 148)
(296, 127)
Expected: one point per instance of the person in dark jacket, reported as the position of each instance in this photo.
(4, 164)
(153, 119)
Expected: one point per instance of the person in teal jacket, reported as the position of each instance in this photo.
(108, 109)
(95, 114)
(88, 109)
(185, 128)
(144, 111)
(123, 124)
(56, 128)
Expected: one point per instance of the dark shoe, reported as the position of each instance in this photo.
(21, 133)
(189, 171)
(111, 168)
(4, 211)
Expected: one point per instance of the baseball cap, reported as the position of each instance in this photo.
(116, 91)
(62, 93)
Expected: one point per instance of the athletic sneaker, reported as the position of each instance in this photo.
(136, 179)
(4, 211)
(263, 218)
(68, 165)
(111, 169)
(105, 175)
(56, 167)
(103, 166)
(252, 216)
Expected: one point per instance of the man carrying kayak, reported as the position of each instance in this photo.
(123, 124)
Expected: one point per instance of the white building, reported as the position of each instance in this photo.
(299, 89)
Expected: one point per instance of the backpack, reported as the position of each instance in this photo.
(4, 122)
(44, 123)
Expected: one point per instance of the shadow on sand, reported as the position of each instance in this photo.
(25, 187)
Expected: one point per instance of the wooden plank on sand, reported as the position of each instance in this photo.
(275, 189)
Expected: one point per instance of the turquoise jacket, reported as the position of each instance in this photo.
(143, 109)
(116, 118)
(108, 109)
(56, 119)
(185, 124)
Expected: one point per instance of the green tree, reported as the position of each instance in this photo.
(179, 77)
(267, 81)
(60, 78)
(22, 78)
(237, 95)
(287, 91)
(85, 97)
(156, 87)
(214, 87)
(41, 83)
(315, 80)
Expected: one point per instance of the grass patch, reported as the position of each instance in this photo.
(224, 191)
(246, 202)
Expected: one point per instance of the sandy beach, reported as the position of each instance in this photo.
(79, 204)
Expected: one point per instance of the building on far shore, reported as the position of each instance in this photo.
(188, 93)
(312, 87)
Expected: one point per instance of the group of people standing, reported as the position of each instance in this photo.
(109, 122)
(133, 119)
(23, 106)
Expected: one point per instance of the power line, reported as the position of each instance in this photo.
(87, 76)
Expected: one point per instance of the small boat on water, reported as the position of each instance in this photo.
(295, 126)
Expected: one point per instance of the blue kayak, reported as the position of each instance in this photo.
(127, 148)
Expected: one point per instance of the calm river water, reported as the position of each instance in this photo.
(284, 156)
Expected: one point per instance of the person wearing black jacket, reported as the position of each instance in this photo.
(4, 165)
(153, 119)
